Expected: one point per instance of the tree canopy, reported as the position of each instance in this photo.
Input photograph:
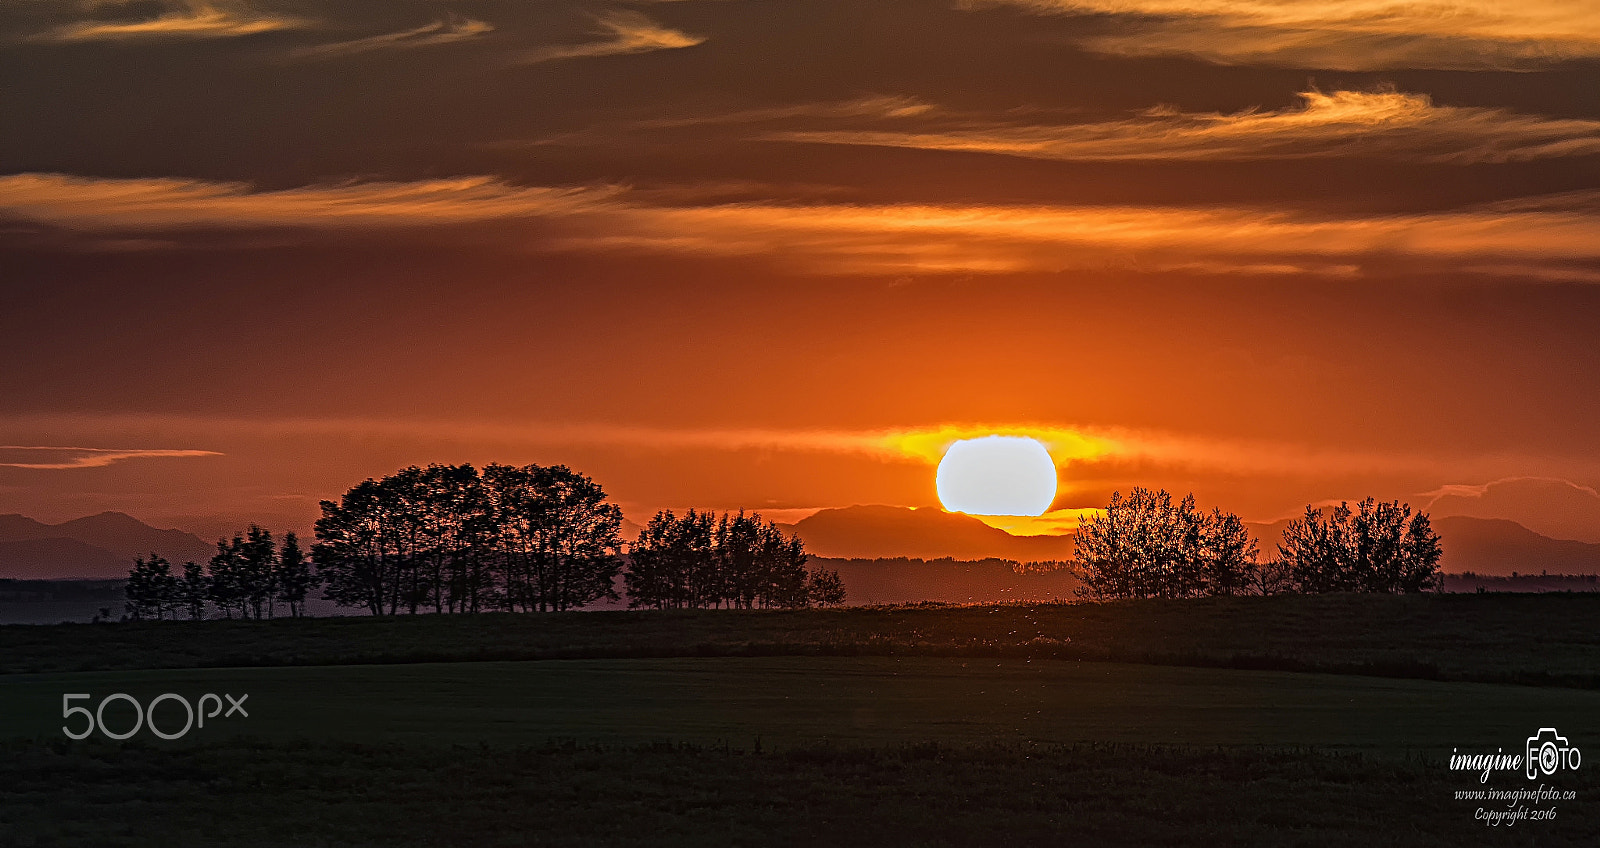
(1375, 547)
(1146, 546)
(449, 539)
(736, 560)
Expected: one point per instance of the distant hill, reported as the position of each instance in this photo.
(1557, 509)
(1489, 546)
(96, 546)
(1497, 546)
(50, 559)
(872, 532)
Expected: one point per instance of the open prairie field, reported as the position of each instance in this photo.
(1551, 639)
(921, 726)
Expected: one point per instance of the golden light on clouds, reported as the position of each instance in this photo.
(623, 33)
(1332, 124)
(49, 458)
(190, 19)
(1056, 522)
(146, 204)
(1536, 236)
(427, 35)
(1063, 444)
(1342, 34)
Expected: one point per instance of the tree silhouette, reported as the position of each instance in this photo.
(1146, 546)
(449, 539)
(527, 538)
(674, 564)
(825, 588)
(558, 539)
(228, 584)
(292, 576)
(353, 551)
(1376, 547)
(194, 590)
(151, 591)
(257, 570)
(738, 560)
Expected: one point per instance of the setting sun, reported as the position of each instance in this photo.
(997, 475)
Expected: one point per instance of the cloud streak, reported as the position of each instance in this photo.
(623, 33)
(1348, 35)
(192, 19)
(159, 204)
(662, 129)
(1078, 449)
(1387, 124)
(42, 458)
(427, 35)
(1552, 234)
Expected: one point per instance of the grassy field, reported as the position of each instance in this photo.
(797, 701)
(923, 795)
(1546, 639)
(899, 726)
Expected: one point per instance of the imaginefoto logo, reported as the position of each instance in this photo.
(1548, 752)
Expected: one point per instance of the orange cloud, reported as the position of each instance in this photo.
(1339, 123)
(60, 458)
(625, 32)
(1089, 457)
(154, 204)
(1064, 444)
(185, 19)
(1547, 235)
(427, 35)
(921, 445)
(1350, 35)
(873, 107)
(1056, 522)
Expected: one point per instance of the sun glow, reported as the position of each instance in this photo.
(997, 475)
(1063, 444)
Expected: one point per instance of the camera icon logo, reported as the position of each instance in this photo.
(1548, 752)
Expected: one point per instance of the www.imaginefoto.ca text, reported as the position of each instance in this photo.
(1537, 796)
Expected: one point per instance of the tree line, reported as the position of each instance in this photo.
(249, 576)
(699, 560)
(452, 539)
(449, 539)
(1146, 545)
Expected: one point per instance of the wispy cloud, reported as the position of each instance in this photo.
(1351, 35)
(427, 35)
(641, 130)
(1466, 490)
(872, 106)
(38, 457)
(622, 33)
(1556, 233)
(196, 19)
(1078, 449)
(1390, 124)
(156, 204)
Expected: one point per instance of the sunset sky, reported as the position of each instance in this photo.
(777, 254)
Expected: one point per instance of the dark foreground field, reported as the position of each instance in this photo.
(1315, 721)
(1538, 639)
(287, 794)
